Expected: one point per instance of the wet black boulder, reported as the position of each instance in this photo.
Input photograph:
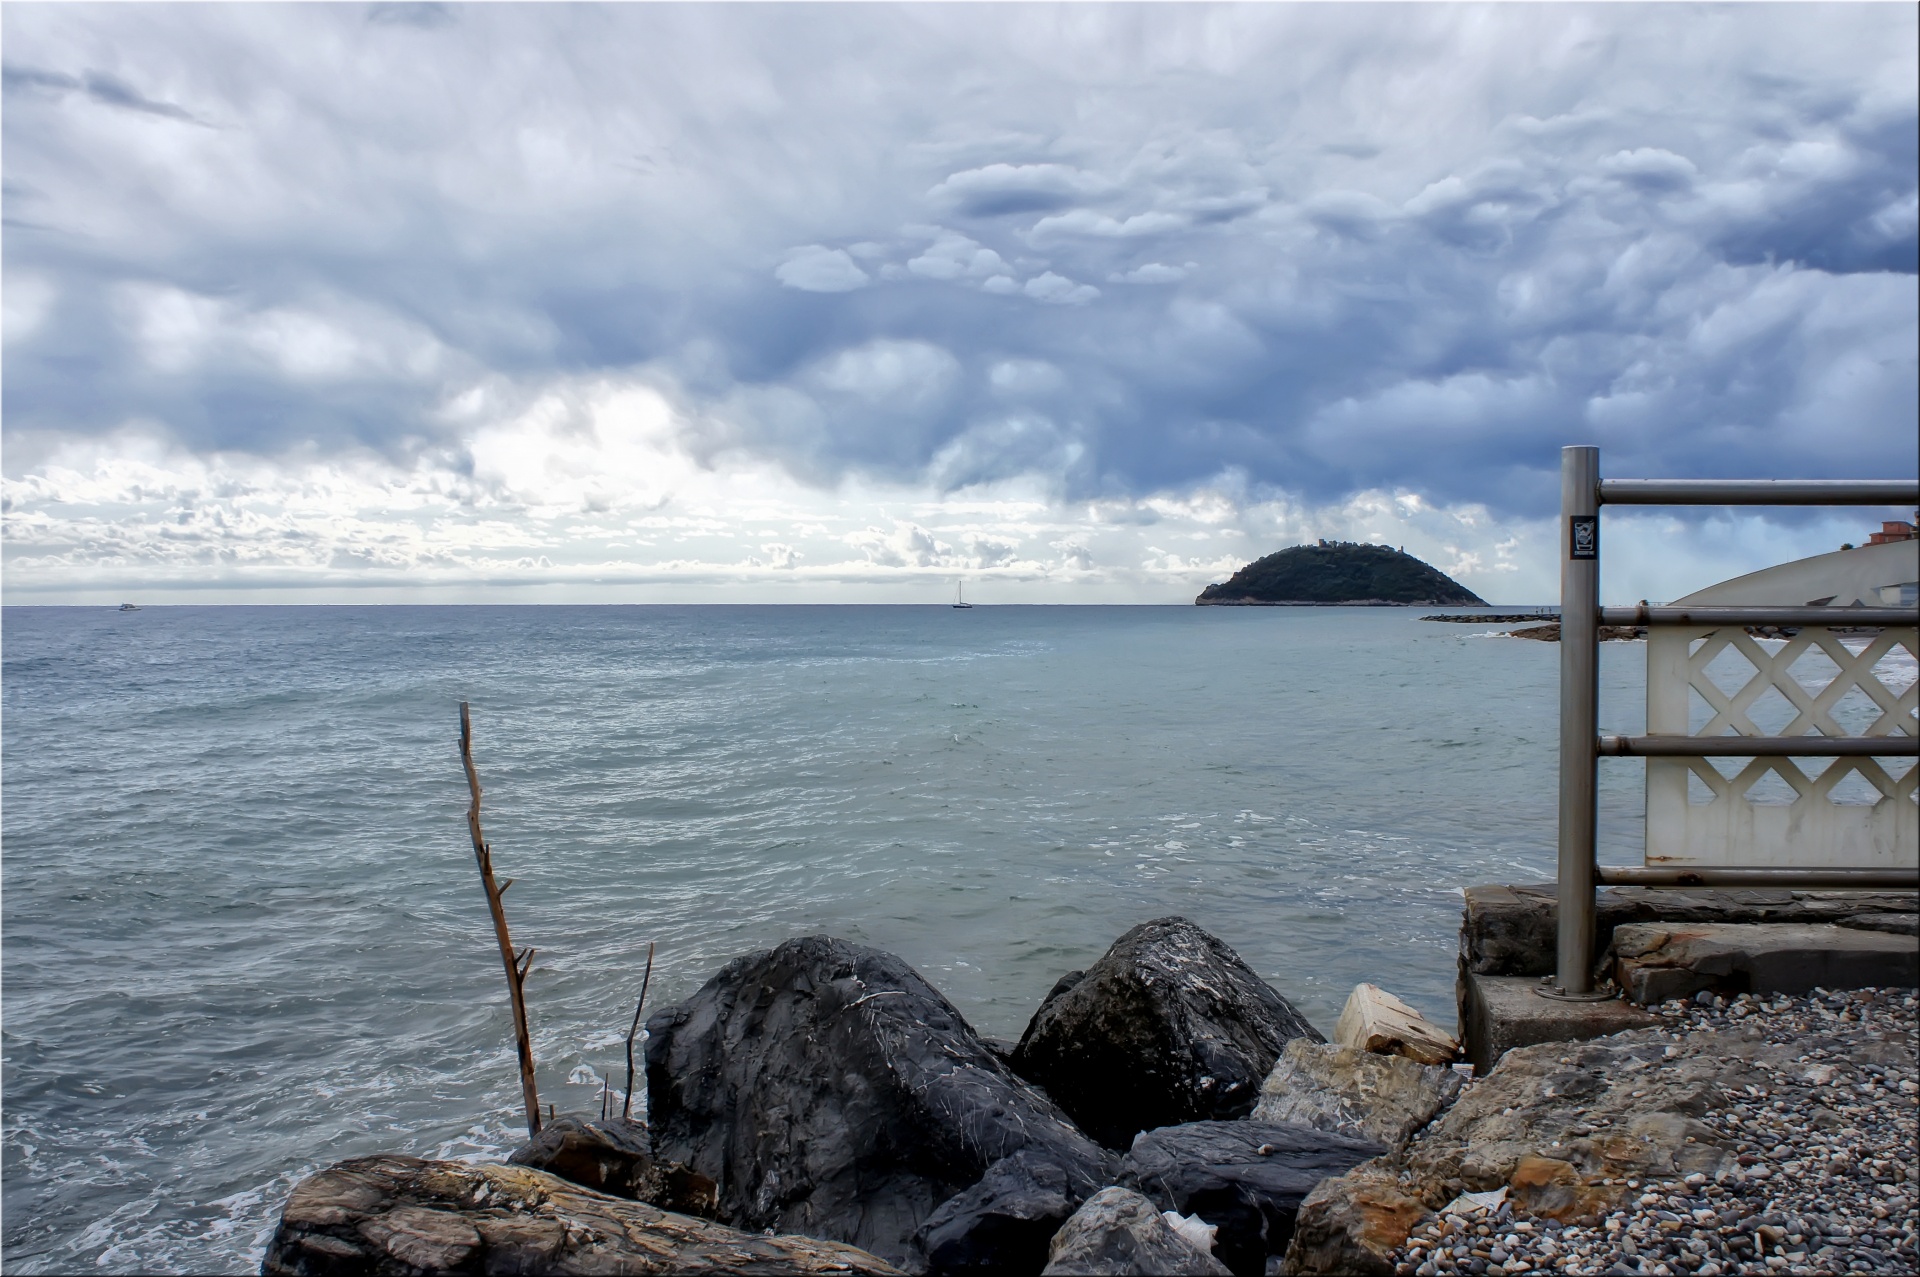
(1245, 1178)
(1004, 1223)
(1169, 1026)
(827, 1089)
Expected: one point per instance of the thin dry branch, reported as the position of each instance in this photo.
(517, 964)
(626, 1105)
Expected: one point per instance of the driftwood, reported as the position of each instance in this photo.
(517, 964)
(1374, 1020)
(391, 1215)
(626, 1106)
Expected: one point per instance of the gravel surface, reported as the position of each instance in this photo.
(1826, 1181)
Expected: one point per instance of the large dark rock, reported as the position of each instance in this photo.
(1119, 1233)
(608, 1156)
(614, 1156)
(1168, 1026)
(828, 1089)
(1245, 1178)
(1003, 1223)
(407, 1217)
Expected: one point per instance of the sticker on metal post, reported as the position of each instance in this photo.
(1585, 541)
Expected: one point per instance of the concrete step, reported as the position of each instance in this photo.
(1500, 1013)
(1510, 930)
(1655, 961)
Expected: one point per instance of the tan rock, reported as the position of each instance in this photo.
(1555, 1122)
(1550, 1188)
(1374, 1020)
(1345, 1089)
(1350, 1224)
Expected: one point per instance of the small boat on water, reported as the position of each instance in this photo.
(958, 591)
(129, 607)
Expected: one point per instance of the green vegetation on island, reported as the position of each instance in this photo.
(1340, 572)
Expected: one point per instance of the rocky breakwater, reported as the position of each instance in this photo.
(825, 1109)
(820, 1107)
(827, 1088)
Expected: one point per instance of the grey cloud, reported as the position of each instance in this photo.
(106, 89)
(1650, 169)
(115, 92)
(1003, 190)
(18, 79)
(1325, 254)
(425, 15)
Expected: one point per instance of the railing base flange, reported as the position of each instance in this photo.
(1557, 994)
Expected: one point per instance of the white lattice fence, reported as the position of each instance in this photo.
(1839, 813)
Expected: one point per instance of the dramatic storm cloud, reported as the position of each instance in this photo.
(733, 301)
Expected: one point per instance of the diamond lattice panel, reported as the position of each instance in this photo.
(1846, 812)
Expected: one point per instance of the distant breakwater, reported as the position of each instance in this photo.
(1246, 602)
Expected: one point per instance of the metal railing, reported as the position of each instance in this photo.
(1582, 493)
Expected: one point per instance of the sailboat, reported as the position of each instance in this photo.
(958, 600)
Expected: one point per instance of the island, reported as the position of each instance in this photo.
(1339, 572)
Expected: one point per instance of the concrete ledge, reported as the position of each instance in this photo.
(1503, 1012)
(1509, 930)
(1657, 961)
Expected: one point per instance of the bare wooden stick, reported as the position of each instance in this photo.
(517, 964)
(626, 1105)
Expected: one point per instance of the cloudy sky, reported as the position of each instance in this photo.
(1081, 303)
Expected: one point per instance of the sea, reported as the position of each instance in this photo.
(244, 935)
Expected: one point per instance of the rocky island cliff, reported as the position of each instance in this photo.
(1340, 572)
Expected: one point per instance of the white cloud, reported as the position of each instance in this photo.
(178, 332)
(1018, 188)
(1026, 378)
(1151, 273)
(818, 269)
(28, 298)
(954, 256)
(1060, 290)
(900, 374)
(587, 490)
(1082, 221)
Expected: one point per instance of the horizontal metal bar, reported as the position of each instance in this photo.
(1760, 746)
(1644, 614)
(1759, 491)
(1732, 876)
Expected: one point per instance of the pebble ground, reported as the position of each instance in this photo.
(1826, 1183)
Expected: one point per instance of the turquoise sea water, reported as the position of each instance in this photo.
(243, 935)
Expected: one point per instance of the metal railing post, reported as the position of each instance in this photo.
(1579, 713)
